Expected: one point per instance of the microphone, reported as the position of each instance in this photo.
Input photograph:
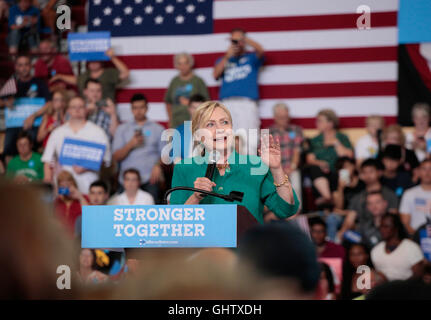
(214, 156)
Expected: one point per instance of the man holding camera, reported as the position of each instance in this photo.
(100, 111)
(138, 144)
(239, 91)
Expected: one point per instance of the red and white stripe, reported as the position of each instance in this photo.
(315, 58)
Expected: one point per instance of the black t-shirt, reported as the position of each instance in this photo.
(350, 192)
(34, 88)
(399, 183)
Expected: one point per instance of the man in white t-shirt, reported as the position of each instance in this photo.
(415, 206)
(132, 195)
(367, 146)
(397, 257)
(77, 128)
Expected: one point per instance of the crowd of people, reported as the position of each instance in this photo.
(371, 200)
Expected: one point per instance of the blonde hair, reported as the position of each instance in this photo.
(204, 112)
(375, 117)
(186, 55)
(66, 176)
(65, 97)
(202, 115)
(421, 106)
(279, 106)
(394, 128)
(330, 115)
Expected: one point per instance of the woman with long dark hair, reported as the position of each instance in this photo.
(358, 255)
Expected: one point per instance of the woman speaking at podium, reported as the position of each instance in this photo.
(261, 179)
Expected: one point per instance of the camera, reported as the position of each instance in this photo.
(63, 191)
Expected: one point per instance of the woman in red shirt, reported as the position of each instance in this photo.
(69, 201)
(54, 117)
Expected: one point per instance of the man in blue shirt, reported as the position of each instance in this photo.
(239, 91)
(23, 22)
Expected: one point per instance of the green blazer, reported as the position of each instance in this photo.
(247, 174)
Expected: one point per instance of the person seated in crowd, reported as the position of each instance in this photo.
(24, 22)
(394, 176)
(291, 139)
(98, 195)
(394, 134)
(69, 201)
(108, 77)
(4, 9)
(87, 273)
(369, 229)
(181, 88)
(138, 140)
(358, 256)
(53, 67)
(326, 287)
(239, 90)
(324, 149)
(396, 256)
(370, 174)
(368, 145)
(27, 87)
(415, 208)
(27, 165)
(132, 195)
(348, 186)
(54, 116)
(417, 140)
(325, 248)
(77, 128)
(100, 111)
(185, 142)
(49, 15)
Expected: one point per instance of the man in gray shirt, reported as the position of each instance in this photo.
(138, 145)
(370, 174)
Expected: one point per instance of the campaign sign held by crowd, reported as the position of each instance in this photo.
(85, 154)
(23, 107)
(89, 46)
(159, 226)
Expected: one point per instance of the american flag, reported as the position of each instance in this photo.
(9, 88)
(315, 56)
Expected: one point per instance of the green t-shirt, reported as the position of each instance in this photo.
(259, 189)
(328, 153)
(180, 88)
(32, 169)
(109, 79)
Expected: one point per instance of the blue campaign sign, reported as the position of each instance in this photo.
(169, 226)
(89, 46)
(23, 107)
(82, 153)
(413, 21)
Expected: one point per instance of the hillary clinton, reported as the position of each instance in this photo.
(261, 179)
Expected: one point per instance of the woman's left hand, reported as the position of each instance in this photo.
(270, 152)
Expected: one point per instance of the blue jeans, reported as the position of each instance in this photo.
(16, 35)
(333, 223)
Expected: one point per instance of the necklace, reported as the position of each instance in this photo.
(222, 166)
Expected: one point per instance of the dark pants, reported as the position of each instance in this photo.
(315, 172)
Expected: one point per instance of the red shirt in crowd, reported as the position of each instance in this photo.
(68, 215)
(332, 250)
(60, 65)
